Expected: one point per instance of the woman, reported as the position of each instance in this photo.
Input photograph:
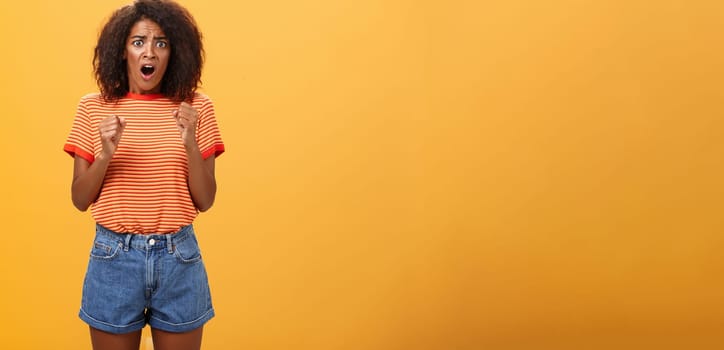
(144, 150)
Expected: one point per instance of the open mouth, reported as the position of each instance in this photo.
(147, 70)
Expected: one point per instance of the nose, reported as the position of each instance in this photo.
(149, 51)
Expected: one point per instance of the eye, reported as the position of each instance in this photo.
(161, 44)
(137, 43)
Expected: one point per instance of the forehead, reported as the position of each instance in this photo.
(146, 27)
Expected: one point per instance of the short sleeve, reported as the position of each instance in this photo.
(80, 140)
(208, 135)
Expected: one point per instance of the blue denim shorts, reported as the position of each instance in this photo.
(134, 280)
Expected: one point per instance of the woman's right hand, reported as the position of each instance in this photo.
(111, 129)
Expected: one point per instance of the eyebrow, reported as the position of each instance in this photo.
(144, 37)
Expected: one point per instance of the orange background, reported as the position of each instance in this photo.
(407, 174)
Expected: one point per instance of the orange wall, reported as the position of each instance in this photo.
(407, 174)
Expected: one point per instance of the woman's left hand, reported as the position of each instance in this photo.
(186, 119)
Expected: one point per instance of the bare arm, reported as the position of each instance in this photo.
(87, 181)
(202, 178)
(87, 177)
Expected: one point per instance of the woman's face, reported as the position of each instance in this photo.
(147, 52)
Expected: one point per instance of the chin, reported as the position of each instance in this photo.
(153, 89)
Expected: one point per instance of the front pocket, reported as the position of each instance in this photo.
(105, 250)
(187, 250)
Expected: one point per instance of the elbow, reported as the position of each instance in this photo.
(203, 200)
(205, 206)
(80, 204)
(79, 201)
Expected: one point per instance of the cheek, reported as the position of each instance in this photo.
(127, 56)
(130, 56)
(164, 61)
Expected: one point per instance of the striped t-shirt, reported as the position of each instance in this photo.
(145, 189)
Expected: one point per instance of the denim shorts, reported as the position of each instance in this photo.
(134, 280)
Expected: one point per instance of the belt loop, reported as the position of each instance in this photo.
(169, 242)
(128, 242)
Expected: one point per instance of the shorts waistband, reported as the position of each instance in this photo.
(148, 241)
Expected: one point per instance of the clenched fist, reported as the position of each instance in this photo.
(111, 128)
(186, 120)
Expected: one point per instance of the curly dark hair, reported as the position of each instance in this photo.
(183, 74)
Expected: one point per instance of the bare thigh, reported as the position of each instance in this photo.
(108, 341)
(177, 341)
